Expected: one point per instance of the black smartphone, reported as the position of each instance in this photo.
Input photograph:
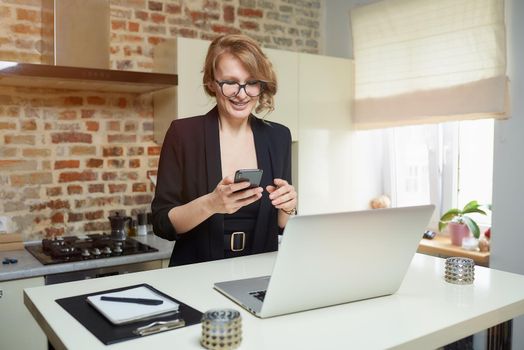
(252, 175)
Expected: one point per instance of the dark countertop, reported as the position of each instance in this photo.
(28, 266)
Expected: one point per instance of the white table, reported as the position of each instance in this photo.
(425, 313)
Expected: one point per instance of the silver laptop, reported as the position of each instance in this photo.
(330, 259)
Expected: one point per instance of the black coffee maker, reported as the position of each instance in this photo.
(118, 226)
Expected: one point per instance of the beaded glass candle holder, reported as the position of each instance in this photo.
(459, 270)
(221, 329)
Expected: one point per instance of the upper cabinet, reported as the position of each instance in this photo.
(316, 88)
(285, 64)
(77, 78)
(327, 153)
(326, 92)
(185, 58)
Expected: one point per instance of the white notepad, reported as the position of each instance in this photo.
(121, 313)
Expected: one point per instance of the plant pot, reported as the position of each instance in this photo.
(457, 232)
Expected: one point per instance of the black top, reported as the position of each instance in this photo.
(190, 167)
(243, 220)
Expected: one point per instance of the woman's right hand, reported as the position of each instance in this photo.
(228, 196)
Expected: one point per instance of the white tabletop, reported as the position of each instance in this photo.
(426, 312)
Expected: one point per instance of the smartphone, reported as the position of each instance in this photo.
(252, 175)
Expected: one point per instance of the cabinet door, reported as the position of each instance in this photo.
(325, 142)
(184, 57)
(19, 329)
(192, 100)
(285, 64)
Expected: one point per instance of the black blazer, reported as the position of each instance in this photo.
(190, 167)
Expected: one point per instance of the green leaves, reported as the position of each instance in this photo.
(473, 207)
(454, 213)
(450, 214)
(472, 225)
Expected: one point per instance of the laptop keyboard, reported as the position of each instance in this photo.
(259, 294)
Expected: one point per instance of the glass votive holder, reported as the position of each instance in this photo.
(470, 243)
(459, 270)
(221, 329)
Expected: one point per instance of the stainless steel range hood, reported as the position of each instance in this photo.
(75, 55)
(76, 78)
(76, 33)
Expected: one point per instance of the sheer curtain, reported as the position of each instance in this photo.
(427, 61)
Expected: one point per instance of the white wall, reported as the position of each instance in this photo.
(508, 174)
(508, 165)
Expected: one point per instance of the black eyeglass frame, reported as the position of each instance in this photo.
(241, 86)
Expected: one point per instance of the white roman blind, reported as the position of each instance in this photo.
(426, 61)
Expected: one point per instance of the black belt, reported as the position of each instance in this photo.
(236, 241)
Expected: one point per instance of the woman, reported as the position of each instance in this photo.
(196, 201)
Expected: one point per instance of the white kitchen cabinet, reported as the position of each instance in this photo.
(325, 162)
(188, 99)
(185, 57)
(285, 64)
(18, 329)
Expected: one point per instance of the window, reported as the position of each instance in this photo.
(447, 164)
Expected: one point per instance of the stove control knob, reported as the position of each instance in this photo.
(118, 248)
(96, 251)
(85, 252)
(106, 250)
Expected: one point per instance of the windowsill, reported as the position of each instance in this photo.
(441, 246)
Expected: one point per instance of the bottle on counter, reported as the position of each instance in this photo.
(142, 224)
(150, 223)
(132, 231)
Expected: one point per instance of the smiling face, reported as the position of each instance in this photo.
(230, 68)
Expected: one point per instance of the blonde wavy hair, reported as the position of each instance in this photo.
(254, 60)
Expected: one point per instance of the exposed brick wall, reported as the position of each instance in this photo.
(69, 159)
(21, 30)
(138, 25)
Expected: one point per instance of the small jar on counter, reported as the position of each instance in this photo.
(132, 231)
(142, 224)
(150, 223)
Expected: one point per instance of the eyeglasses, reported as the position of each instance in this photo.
(229, 88)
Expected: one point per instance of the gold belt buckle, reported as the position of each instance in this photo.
(232, 241)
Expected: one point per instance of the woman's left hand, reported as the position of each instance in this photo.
(282, 195)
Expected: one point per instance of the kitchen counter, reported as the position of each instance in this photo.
(28, 266)
(425, 313)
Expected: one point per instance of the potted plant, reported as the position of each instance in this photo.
(459, 224)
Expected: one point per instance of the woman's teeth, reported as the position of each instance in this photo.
(239, 103)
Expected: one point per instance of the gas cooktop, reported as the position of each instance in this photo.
(94, 246)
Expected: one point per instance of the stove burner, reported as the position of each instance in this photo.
(95, 246)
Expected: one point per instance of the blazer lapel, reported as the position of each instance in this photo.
(212, 139)
(214, 176)
(264, 162)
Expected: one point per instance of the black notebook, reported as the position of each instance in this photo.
(109, 333)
